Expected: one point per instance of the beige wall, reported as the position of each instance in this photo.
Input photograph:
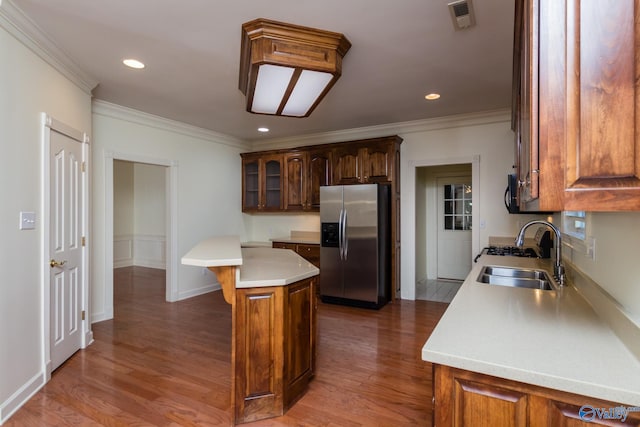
(616, 266)
(208, 189)
(123, 198)
(28, 87)
(149, 199)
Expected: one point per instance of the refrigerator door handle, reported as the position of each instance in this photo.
(345, 238)
(340, 248)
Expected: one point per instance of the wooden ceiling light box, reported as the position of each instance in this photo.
(287, 69)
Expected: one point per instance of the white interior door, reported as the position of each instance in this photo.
(454, 227)
(66, 246)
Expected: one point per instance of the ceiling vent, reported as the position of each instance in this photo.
(462, 14)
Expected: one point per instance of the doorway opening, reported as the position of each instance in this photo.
(444, 224)
(141, 219)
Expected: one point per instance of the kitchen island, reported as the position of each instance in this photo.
(273, 336)
(528, 356)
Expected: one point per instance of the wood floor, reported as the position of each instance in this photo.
(168, 364)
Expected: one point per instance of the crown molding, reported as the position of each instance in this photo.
(20, 26)
(108, 109)
(399, 128)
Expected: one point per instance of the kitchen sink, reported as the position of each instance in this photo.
(517, 278)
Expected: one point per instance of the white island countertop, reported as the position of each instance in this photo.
(551, 339)
(257, 267)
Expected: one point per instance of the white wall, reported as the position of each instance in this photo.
(29, 86)
(421, 223)
(149, 199)
(208, 187)
(263, 227)
(123, 208)
(123, 198)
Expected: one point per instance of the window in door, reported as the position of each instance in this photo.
(457, 207)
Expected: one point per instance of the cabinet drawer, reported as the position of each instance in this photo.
(283, 245)
(310, 252)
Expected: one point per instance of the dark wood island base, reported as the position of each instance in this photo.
(273, 344)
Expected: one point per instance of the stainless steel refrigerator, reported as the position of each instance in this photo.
(355, 245)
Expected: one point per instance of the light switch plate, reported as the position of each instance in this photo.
(27, 220)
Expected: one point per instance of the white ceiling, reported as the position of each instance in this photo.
(401, 50)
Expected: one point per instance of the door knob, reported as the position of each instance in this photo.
(54, 263)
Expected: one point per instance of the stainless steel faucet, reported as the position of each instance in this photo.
(558, 268)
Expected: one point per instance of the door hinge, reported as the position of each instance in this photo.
(83, 167)
(84, 241)
(83, 314)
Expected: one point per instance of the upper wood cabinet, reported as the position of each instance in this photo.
(576, 89)
(368, 161)
(320, 173)
(295, 181)
(305, 171)
(262, 182)
(290, 180)
(347, 165)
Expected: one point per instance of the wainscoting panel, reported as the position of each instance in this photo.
(122, 251)
(139, 250)
(149, 251)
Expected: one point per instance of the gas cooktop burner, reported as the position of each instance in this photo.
(511, 251)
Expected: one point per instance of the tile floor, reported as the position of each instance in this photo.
(437, 290)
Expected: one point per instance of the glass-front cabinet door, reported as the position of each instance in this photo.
(273, 183)
(261, 183)
(250, 184)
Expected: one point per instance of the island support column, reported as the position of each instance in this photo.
(273, 345)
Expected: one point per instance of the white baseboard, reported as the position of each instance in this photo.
(123, 263)
(200, 291)
(100, 317)
(149, 263)
(21, 396)
(88, 338)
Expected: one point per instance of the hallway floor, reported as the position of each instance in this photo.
(168, 364)
(437, 290)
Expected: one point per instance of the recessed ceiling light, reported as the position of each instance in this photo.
(133, 63)
(432, 96)
(263, 129)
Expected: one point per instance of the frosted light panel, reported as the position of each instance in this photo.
(309, 87)
(271, 85)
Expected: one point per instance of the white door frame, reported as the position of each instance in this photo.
(49, 124)
(408, 270)
(171, 224)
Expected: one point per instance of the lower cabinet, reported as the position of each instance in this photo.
(464, 398)
(310, 252)
(274, 348)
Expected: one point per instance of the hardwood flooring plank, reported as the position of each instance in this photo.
(168, 364)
